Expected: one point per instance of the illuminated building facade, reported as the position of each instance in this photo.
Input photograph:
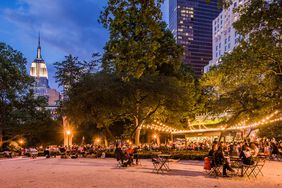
(225, 37)
(190, 21)
(39, 71)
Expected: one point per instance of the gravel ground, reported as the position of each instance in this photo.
(65, 173)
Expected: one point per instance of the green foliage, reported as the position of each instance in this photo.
(138, 38)
(271, 131)
(70, 70)
(248, 81)
(18, 107)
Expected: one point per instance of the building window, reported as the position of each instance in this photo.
(225, 41)
(229, 39)
(229, 46)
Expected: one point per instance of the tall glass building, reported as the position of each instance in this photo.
(191, 24)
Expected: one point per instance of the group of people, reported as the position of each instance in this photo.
(126, 155)
(247, 151)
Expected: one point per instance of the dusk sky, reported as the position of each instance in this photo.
(66, 27)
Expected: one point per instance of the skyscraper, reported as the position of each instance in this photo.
(191, 24)
(38, 70)
(225, 37)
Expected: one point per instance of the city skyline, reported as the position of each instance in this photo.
(65, 29)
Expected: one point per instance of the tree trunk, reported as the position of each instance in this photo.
(106, 141)
(137, 136)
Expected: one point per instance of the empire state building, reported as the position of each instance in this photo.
(39, 71)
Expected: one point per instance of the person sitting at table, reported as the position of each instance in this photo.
(129, 155)
(246, 155)
(255, 149)
(221, 160)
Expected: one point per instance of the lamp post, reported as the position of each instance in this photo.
(21, 141)
(68, 132)
(98, 140)
(155, 138)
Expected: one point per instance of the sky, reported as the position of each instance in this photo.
(65, 26)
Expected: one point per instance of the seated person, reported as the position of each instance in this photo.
(47, 152)
(280, 148)
(119, 154)
(129, 155)
(255, 149)
(246, 155)
(221, 160)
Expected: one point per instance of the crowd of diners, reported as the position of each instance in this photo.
(246, 151)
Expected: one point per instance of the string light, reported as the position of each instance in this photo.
(158, 126)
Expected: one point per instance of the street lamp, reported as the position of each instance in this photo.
(98, 140)
(21, 141)
(68, 132)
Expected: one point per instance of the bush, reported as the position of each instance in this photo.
(183, 155)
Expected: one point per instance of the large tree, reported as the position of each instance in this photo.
(144, 54)
(18, 107)
(139, 42)
(248, 82)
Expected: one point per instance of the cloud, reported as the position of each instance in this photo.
(71, 26)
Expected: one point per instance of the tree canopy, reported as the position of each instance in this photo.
(248, 81)
(19, 109)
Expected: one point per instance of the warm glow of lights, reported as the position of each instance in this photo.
(21, 141)
(68, 132)
(157, 125)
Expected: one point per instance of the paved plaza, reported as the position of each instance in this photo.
(41, 172)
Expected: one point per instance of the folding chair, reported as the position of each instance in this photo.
(248, 170)
(156, 163)
(258, 167)
(215, 168)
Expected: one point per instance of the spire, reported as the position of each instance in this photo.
(39, 40)
(39, 48)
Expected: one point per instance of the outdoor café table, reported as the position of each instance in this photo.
(164, 162)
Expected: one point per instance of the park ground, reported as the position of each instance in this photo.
(65, 173)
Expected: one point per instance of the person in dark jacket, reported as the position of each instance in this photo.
(221, 160)
(119, 154)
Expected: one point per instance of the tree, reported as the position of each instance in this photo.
(136, 36)
(248, 81)
(18, 107)
(97, 100)
(144, 54)
(271, 131)
(68, 72)
(14, 83)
